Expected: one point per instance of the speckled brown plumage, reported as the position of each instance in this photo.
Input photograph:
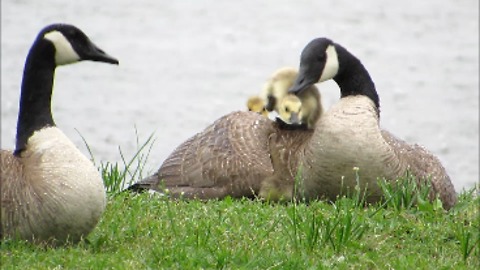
(425, 166)
(243, 154)
(230, 157)
(346, 148)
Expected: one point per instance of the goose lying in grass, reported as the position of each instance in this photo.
(237, 153)
(354, 137)
(50, 192)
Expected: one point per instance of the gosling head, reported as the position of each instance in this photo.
(69, 45)
(290, 110)
(256, 104)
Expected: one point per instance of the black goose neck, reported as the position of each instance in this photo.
(36, 93)
(353, 78)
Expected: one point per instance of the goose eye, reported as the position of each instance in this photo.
(321, 57)
(287, 109)
(71, 33)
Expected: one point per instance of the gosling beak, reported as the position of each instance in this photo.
(294, 119)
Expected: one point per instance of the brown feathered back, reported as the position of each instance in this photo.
(243, 154)
(230, 157)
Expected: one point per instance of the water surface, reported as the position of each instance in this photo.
(184, 64)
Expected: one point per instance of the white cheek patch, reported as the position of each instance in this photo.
(331, 66)
(64, 52)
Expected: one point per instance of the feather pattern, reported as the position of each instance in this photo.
(50, 192)
(346, 141)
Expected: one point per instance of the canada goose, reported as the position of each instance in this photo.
(238, 153)
(355, 137)
(50, 192)
(256, 104)
(231, 157)
(304, 109)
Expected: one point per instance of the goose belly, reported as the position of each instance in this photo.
(348, 149)
(63, 195)
(341, 168)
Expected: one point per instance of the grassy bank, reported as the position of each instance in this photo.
(148, 231)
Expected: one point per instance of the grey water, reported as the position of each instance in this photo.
(184, 64)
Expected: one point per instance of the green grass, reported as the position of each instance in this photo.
(148, 231)
(142, 232)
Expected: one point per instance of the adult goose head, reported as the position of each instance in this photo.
(244, 154)
(322, 59)
(50, 192)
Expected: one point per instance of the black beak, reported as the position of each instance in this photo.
(94, 53)
(306, 78)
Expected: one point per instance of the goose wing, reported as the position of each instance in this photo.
(10, 182)
(230, 157)
(424, 165)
